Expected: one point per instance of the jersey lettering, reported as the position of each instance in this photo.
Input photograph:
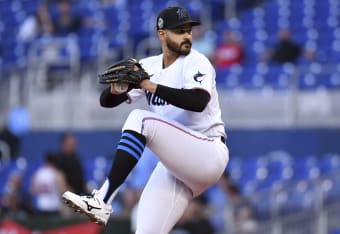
(155, 100)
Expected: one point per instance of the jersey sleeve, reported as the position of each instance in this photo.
(134, 95)
(199, 73)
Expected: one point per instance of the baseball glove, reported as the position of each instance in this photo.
(126, 71)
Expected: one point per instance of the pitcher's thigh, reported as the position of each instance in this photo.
(193, 158)
(162, 203)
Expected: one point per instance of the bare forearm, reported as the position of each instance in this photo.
(149, 86)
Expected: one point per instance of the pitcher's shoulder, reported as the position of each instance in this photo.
(197, 58)
(151, 59)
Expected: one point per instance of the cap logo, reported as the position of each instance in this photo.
(181, 13)
(160, 23)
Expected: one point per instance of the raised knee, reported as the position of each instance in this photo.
(136, 112)
(134, 120)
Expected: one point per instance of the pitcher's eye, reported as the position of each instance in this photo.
(182, 31)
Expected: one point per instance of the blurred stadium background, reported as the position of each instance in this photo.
(282, 120)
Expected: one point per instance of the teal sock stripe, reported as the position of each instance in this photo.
(130, 151)
(131, 144)
(135, 139)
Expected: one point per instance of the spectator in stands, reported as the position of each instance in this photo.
(195, 218)
(9, 144)
(47, 184)
(286, 50)
(229, 51)
(15, 201)
(69, 163)
(219, 205)
(203, 41)
(246, 4)
(229, 207)
(242, 213)
(36, 25)
(66, 21)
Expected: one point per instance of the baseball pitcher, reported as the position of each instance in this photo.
(183, 128)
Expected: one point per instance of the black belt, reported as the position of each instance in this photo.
(223, 139)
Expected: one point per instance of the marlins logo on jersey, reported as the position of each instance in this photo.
(197, 77)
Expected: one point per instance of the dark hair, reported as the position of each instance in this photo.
(64, 136)
(233, 188)
(51, 158)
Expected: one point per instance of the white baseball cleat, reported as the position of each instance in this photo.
(92, 206)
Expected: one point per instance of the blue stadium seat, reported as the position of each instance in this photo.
(262, 205)
(29, 6)
(250, 80)
(266, 18)
(5, 170)
(253, 171)
(329, 163)
(308, 81)
(305, 168)
(111, 15)
(88, 39)
(330, 186)
(279, 171)
(279, 81)
(330, 81)
(297, 197)
(333, 56)
(222, 76)
(19, 165)
(13, 53)
(234, 168)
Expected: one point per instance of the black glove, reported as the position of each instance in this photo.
(126, 71)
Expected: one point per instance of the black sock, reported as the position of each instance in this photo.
(129, 150)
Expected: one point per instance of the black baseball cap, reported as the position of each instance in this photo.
(173, 17)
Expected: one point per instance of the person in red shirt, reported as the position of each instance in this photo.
(229, 51)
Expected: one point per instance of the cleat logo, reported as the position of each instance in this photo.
(90, 207)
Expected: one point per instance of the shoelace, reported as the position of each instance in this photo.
(88, 195)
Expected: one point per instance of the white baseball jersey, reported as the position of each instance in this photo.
(193, 71)
(47, 193)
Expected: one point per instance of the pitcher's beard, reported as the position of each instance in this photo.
(181, 49)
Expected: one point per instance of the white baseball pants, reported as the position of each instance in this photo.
(190, 162)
